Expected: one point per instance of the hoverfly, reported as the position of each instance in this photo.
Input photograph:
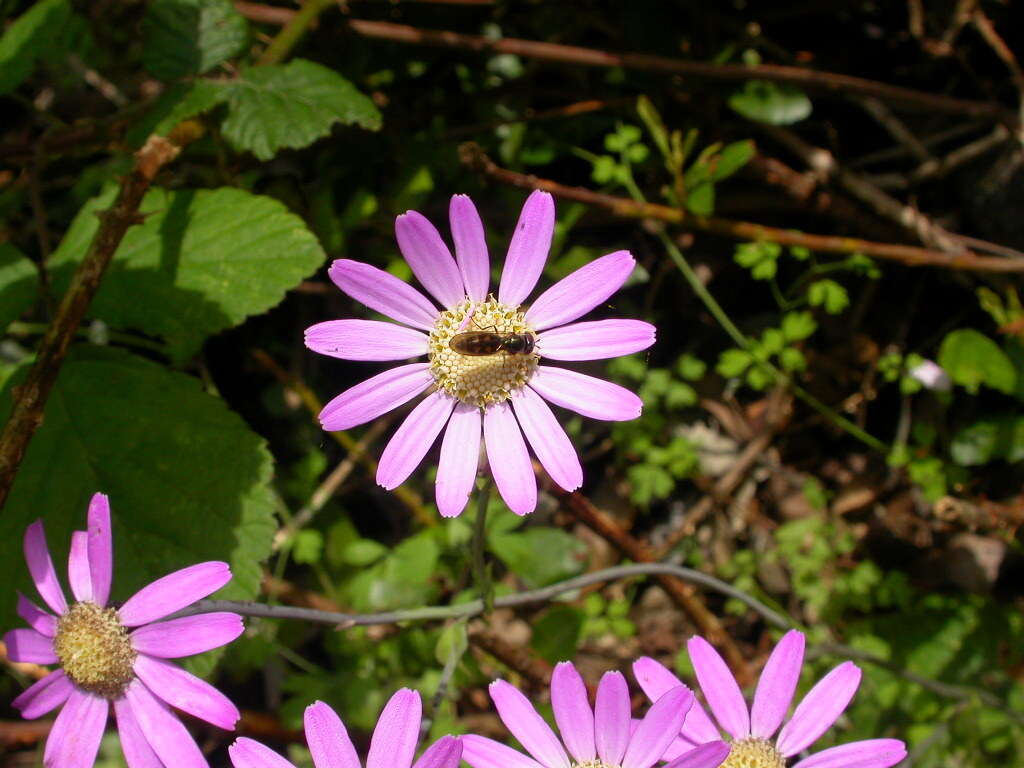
(479, 343)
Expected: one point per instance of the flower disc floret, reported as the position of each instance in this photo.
(94, 649)
(479, 380)
(754, 753)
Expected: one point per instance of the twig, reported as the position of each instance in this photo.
(412, 500)
(896, 127)
(30, 396)
(533, 668)
(682, 594)
(909, 255)
(987, 30)
(936, 168)
(571, 54)
(823, 163)
(293, 31)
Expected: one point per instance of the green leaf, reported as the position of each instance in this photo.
(828, 294)
(202, 261)
(188, 480)
(18, 284)
(792, 359)
(691, 368)
(179, 102)
(363, 552)
(308, 546)
(190, 37)
(648, 483)
(798, 325)
(972, 359)
(291, 106)
(701, 199)
(557, 633)
(773, 103)
(539, 556)
(31, 37)
(453, 641)
(759, 257)
(733, 362)
(731, 159)
(403, 579)
(999, 437)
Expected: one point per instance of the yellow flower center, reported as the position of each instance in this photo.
(94, 649)
(753, 753)
(480, 379)
(593, 764)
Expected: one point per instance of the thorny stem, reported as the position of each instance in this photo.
(544, 594)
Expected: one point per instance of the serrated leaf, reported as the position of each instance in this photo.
(291, 106)
(828, 294)
(972, 359)
(19, 285)
(202, 261)
(773, 103)
(30, 38)
(188, 480)
(190, 37)
(797, 326)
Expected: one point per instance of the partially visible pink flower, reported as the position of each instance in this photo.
(931, 375)
(501, 396)
(751, 731)
(393, 744)
(118, 656)
(602, 737)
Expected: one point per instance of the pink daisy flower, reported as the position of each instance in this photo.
(491, 383)
(602, 737)
(392, 746)
(751, 731)
(118, 655)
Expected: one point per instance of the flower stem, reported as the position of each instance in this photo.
(292, 32)
(481, 575)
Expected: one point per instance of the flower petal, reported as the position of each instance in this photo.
(383, 292)
(656, 681)
(819, 709)
(375, 396)
(870, 753)
(580, 291)
(328, 739)
(101, 548)
(398, 729)
(365, 340)
(522, 720)
(411, 441)
(79, 576)
(573, 714)
(658, 729)
(40, 566)
(41, 621)
(431, 261)
(443, 753)
(137, 752)
(167, 737)
(75, 737)
(186, 692)
(720, 688)
(528, 251)
(481, 752)
(594, 398)
(595, 340)
(709, 755)
(460, 458)
(188, 635)
(173, 592)
(29, 647)
(509, 461)
(776, 685)
(44, 695)
(611, 718)
(470, 247)
(249, 753)
(548, 439)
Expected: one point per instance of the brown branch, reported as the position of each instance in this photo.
(683, 595)
(987, 30)
(571, 54)
(30, 396)
(910, 255)
(533, 668)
